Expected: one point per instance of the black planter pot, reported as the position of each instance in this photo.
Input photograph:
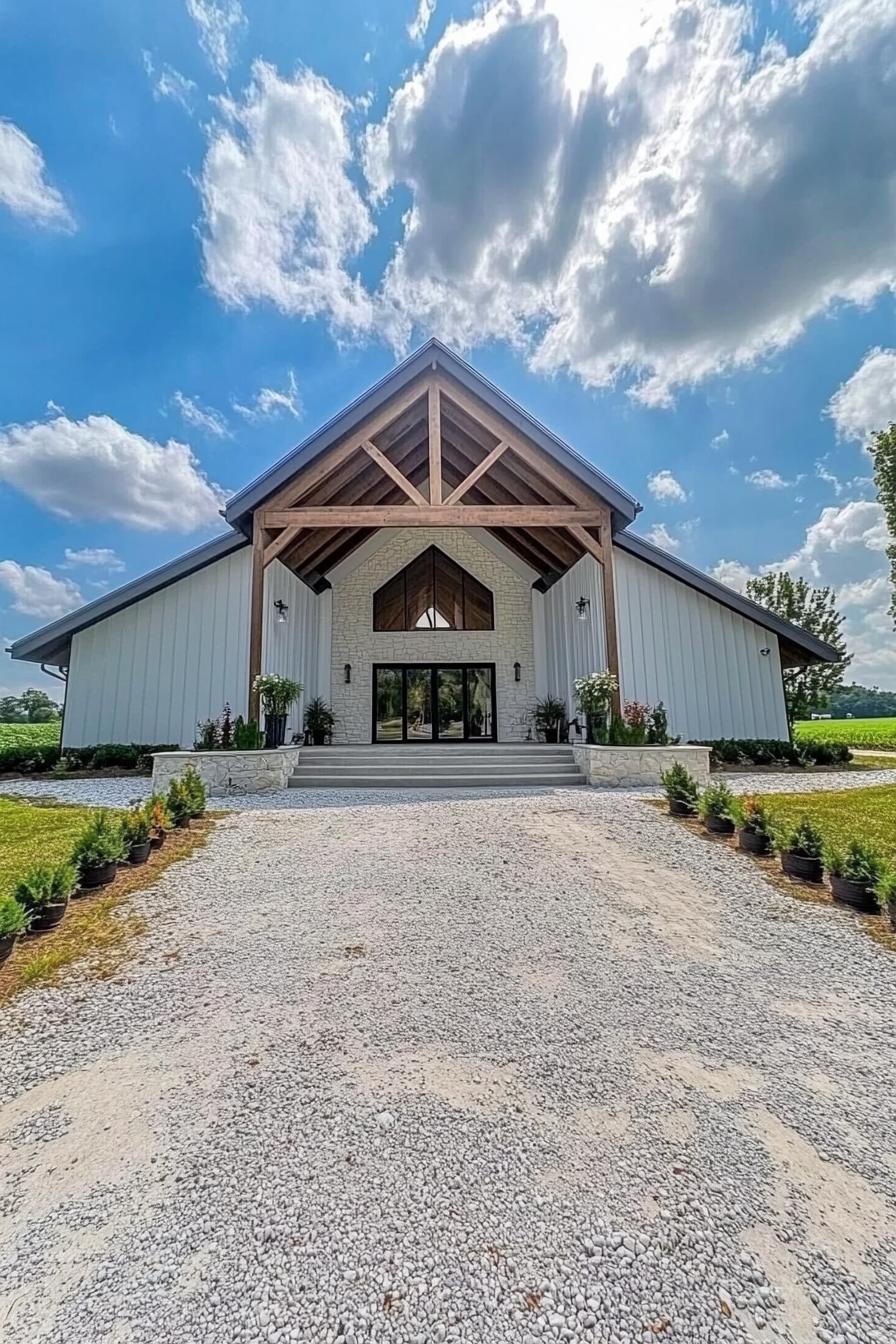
(99, 875)
(751, 842)
(48, 917)
(857, 894)
(552, 734)
(679, 808)
(182, 824)
(139, 853)
(719, 825)
(274, 730)
(799, 865)
(318, 739)
(157, 841)
(891, 908)
(7, 943)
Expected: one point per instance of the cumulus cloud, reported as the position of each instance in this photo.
(421, 20)
(664, 487)
(766, 479)
(281, 216)
(688, 208)
(733, 574)
(660, 535)
(837, 545)
(269, 402)
(24, 188)
(101, 557)
(201, 417)
(219, 24)
(867, 400)
(37, 592)
(95, 468)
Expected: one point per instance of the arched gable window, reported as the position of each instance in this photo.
(433, 593)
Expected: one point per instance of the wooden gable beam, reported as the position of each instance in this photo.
(457, 515)
(281, 543)
(394, 474)
(435, 443)
(485, 465)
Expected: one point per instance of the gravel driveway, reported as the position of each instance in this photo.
(525, 1068)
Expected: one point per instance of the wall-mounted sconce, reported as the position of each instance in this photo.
(583, 607)
(281, 609)
(348, 673)
(765, 652)
(516, 671)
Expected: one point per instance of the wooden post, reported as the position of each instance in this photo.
(610, 616)
(256, 610)
(435, 445)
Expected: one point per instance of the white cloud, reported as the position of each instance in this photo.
(95, 468)
(824, 473)
(720, 439)
(269, 402)
(36, 592)
(24, 188)
(664, 487)
(733, 574)
(169, 83)
(660, 535)
(220, 23)
(664, 225)
(836, 546)
(101, 557)
(766, 479)
(201, 417)
(281, 217)
(867, 400)
(421, 20)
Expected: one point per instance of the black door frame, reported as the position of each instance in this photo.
(435, 668)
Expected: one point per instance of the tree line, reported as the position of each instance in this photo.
(32, 706)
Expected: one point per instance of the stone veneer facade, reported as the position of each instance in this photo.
(355, 641)
(632, 767)
(225, 772)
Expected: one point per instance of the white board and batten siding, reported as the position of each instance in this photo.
(704, 661)
(153, 671)
(566, 647)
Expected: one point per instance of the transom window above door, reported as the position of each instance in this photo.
(433, 592)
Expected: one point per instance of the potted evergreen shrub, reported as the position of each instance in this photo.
(97, 853)
(754, 832)
(44, 892)
(247, 736)
(159, 820)
(135, 835)
(278, 694)
(800, 849)
(178, 804)
(195, 791)
(594, 696)
(550, 716)
(885, 891)
(319, 720)
(716, 807)
(681, 789)
(853, 873)
(13, 921)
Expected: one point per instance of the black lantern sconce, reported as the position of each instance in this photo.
(281, 609)
(516, 671)
(348, 673)
(583, 608)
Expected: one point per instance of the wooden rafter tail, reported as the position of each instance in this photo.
(455, 515)
(394, 474)
(477, 473)
(435, 443)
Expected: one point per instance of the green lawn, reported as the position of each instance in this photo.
(32, 834)
(863, 814)
(29, 734)
(867, 733)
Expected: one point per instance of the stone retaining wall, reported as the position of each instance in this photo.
(630, 767)
(225, 772)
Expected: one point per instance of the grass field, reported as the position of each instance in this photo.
(866, 733)
(29, 734)
(30, 835)
(863, 814)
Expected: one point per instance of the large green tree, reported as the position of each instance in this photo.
(38, 706)
(883, 450)
(806, 689)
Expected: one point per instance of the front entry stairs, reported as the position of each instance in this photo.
(490, 765)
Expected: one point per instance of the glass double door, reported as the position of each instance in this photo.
(423, 703)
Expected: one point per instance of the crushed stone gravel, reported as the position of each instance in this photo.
(492, 1068)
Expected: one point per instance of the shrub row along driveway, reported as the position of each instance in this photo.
(507, 1069)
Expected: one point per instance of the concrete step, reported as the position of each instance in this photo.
(460, 779)
(438, 751)
(412, 770)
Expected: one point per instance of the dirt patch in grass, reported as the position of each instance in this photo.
(97, 929)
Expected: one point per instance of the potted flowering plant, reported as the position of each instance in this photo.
(98, 851)
(43, 894)
(594, 696)
(278, 695)
(854, 872)
(13, 921)
(754, 833)
(716, 805)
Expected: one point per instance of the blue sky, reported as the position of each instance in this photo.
(667, 230)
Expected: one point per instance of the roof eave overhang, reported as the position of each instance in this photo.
(798, 645)
(433, 355)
